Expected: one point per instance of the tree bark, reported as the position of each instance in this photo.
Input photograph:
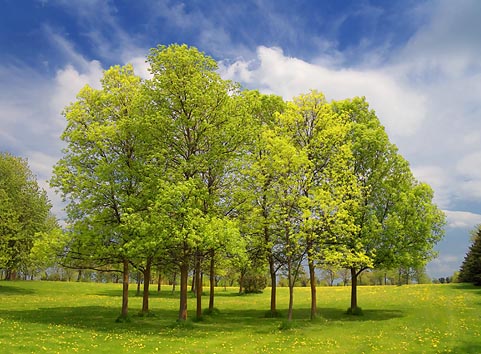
(125, 289)
(145, 298)
(184, 270)
(212, 280)
(138, 283)
(353, 290)
(272, 272)
(312, 280)
(198, 287)
(291, 290)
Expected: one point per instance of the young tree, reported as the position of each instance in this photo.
(24, 212)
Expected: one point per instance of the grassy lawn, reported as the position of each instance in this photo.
(56, 317)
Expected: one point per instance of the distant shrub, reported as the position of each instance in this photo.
(254, 283)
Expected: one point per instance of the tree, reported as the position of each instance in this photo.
(24, 213)
(255, 193)
(100, 174)
(328, 184)
(470, 271)
(201, 125)
(397, 223)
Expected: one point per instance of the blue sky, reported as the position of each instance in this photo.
(417, 63)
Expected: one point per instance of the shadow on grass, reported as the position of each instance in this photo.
(467, 286)
(474, 348)
(13, 290)
(102, 319)
(168, 294)
(334, 314)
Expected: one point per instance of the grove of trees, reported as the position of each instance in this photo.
(188, 172)
(28, 231)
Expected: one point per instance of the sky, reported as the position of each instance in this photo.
(416, 62)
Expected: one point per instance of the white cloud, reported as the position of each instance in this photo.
(401, 110)
(462, 219)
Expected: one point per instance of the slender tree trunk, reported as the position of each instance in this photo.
(174, 281)
(159, 281)
(184, 270)
(192, 287)
(241, 281)
(272, 272)
(125, 289)
(353, 290)
(198, 287)
(145, 298)
(212, 280)
(312, 280)
(138, 283)
(291, 290)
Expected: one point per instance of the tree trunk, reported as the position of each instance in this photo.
(138, 283)
(291, 291)
(192, 287)
(198, 287)
(125, 289)
(272, 272)
(212, 281)
(174, 281)
(184, 270)
(241, 281)
(159, 281)
(312, 279)
(145, 298)
(353, 290)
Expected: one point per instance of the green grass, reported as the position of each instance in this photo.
(55, 317)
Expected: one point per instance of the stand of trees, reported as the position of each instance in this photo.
(186, 171)
(27, 228)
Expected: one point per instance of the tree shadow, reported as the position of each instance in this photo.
(335, 314)
(467, 286)
(168, 294)
(468, 348)
(13, 290)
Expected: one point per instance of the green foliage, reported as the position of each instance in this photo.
(24, 214)
(470, 271)
(254, 283)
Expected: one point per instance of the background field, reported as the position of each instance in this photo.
(56, 317)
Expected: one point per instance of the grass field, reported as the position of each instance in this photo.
(56, 317)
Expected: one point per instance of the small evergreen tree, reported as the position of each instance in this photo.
(470, 271)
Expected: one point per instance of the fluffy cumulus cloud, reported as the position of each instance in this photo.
(462, 219)
(31, 110)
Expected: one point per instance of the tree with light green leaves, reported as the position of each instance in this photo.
(201, 121)
(397, 222)
(24, 213)
(101, 173)
(256, 196)
(329, 188)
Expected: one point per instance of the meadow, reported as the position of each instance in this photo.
(61, 317)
